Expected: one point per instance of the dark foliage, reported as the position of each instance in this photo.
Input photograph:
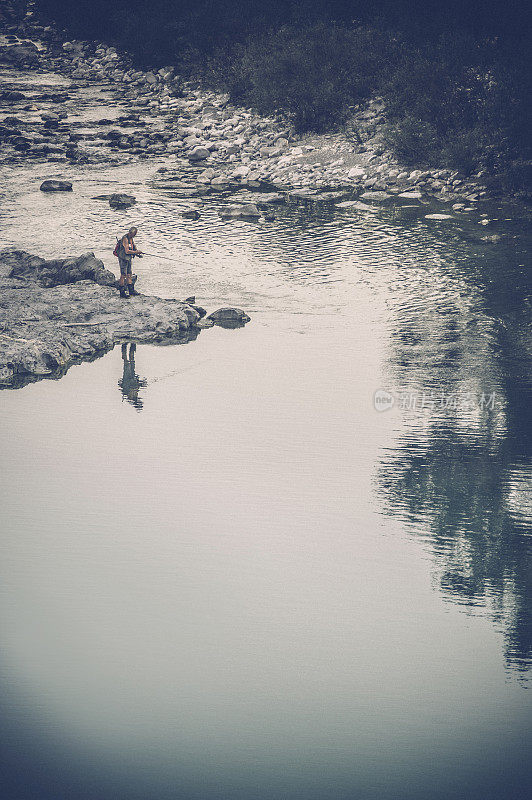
(454, 75)
(315, 73)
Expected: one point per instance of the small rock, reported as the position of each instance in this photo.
(205, 323)
(49, 117)
(241, 172)
(119, 200)
(244, 211)
(55, 186)
(267, 198)
(11, 96)
(438, 216)
(229, 317)
(357, 205)
(206, 176)
(375, 196)
(190, 213)
(199, 154)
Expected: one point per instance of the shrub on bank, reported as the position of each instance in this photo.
(452, 99)
(459, 103)
(412, 140)
(314, 74)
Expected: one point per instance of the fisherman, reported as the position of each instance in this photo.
(126, 250)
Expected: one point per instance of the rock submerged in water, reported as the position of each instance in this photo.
(377, 196)
(357, 205)
(119, 200)
(240, 211)
(229, 317)
(190, 213)
(11, 96)
(53, 185)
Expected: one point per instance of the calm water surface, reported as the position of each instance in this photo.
(224, 573)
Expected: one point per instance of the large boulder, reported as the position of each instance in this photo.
(56, 272)
(229, 317)
(20, 55)
(119, 200)
(53, 185)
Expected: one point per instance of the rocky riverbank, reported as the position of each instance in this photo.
(59, 312)
(224, 148)
(53, 313)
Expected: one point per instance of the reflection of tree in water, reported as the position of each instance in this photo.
(465, 490)
(464, 478)
(130, 384)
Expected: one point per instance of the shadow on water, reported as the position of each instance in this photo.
(460, 474)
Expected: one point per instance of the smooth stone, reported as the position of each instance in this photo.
(241, 172)
(410, 195)
(206, 176)
(245, 211)
(229, 317)
(269, 198)
(199, 154)
(302, 194)
(191, 213)
(375, 196)
(53, 185)
(438, 216)
(357, 205)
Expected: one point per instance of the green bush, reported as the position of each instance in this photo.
(314, 74)
(464, 150)
(459, 102)
(412, 140)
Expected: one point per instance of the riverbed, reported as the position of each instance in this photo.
(290, 560)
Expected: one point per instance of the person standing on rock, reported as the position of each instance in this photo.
(126, 250)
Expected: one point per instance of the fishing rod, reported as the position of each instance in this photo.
(167, 258)
(156, 255)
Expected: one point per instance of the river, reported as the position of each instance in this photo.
(291, 560)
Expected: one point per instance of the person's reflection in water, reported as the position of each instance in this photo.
(131, 383)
